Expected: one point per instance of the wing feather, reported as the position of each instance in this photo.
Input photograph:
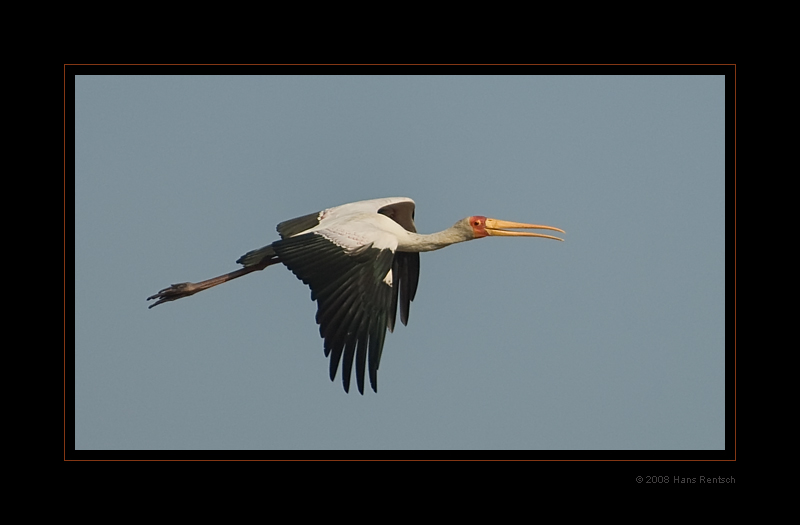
(353, 300)
(292, 227)
(346, 270)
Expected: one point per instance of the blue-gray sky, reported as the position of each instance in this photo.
(613, 339)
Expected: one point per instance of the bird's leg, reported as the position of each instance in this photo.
(181, 290)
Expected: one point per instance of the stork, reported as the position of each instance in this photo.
(360, 260)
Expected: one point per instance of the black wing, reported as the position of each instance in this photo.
(300, 224)
(285, 229)
(354, 298)
(405, 267)
(405, 270)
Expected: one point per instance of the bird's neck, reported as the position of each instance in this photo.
(415, 242)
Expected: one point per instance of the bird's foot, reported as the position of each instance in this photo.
(174, 292)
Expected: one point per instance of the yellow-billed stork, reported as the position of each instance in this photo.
(360, 260)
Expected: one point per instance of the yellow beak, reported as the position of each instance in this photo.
(493, 228)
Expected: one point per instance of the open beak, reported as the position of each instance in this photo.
(493, 227)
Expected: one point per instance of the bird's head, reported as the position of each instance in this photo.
(483, 226)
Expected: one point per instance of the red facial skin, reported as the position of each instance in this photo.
(478, 223)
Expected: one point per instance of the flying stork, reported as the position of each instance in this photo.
(360, 260)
